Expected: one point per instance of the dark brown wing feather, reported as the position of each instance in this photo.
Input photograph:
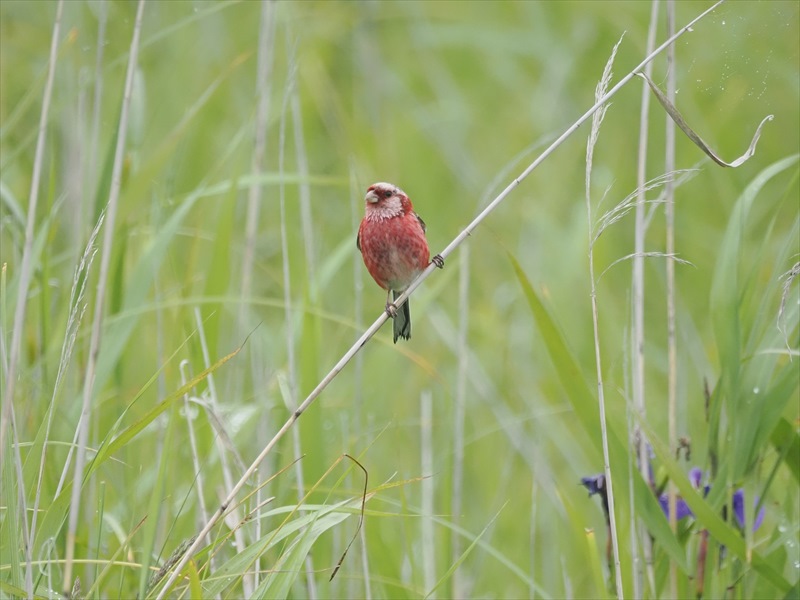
(421, 222)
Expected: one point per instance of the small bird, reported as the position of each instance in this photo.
(392, 242)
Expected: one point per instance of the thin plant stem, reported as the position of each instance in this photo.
(266, 37)
(23, 504)
(672, 352)
(459, 415)
(358, 293)
(382, 318)
(77, 311)
(428, 553)
(26, 268)
(311, 588)
(102, 9)
(358, 367)
(365, 563)
(99, 307)
(183, 367)
(220, 439)
(534, 555)
(597, 120)
(304, 191)
(638, 371)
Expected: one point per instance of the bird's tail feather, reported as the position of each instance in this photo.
(402, 320)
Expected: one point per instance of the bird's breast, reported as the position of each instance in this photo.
(395, 250)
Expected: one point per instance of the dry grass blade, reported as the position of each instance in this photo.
(680, 122)
(645, 255)
(633, 199)
(360, 518)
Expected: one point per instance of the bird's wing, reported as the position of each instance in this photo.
(358, 235)
(421, 222)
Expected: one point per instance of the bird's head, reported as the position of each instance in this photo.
(384, 201)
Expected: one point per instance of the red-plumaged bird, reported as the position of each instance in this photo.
(392, 242)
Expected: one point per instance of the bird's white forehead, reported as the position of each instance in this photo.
(382, 185)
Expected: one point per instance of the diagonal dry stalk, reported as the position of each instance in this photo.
(378, 323)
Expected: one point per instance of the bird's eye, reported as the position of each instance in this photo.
(387, 194)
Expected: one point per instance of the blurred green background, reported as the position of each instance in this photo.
(450, 101)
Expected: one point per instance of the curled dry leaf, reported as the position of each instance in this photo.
(676, 116)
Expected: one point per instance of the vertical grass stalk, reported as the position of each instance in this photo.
(222, 448)
(672, 369)
(637, 281)
(266, 42)
(26, 268)
(304, 189)
(198, 471)
(427, 490)
(311, 589)
(597, 120)
(459, 415)
(358, 367)
(99, 308)
(91, 170)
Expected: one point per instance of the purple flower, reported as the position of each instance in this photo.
(696, 477)
(596, 484)
(682, 509)
(738, 510)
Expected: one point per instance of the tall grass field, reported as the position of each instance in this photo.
(200, 394)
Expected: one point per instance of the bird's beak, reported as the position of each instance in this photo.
(371, 197)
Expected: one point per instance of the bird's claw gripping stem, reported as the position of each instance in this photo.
(438, 261)
(391, 309)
